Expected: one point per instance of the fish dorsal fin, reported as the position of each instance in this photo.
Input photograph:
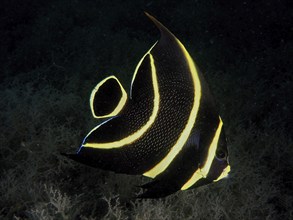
(108, 98)
(142, 82)
(165, 33)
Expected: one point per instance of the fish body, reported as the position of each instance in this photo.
(168, 128)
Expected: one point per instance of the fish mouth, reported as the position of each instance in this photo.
(224, 174)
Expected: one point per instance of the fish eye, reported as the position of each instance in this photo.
(221, 155)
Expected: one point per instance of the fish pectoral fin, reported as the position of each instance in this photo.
(107, 98)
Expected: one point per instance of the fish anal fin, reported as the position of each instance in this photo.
(107, 98)
(157, 189)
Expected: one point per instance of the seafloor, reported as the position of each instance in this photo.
(52, 54)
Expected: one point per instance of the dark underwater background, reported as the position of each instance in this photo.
(52, 54)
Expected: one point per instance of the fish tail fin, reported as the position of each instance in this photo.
(108, 98)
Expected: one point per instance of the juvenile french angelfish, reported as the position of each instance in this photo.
(168, 128)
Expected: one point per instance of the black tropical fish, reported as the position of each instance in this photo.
(167, 129)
